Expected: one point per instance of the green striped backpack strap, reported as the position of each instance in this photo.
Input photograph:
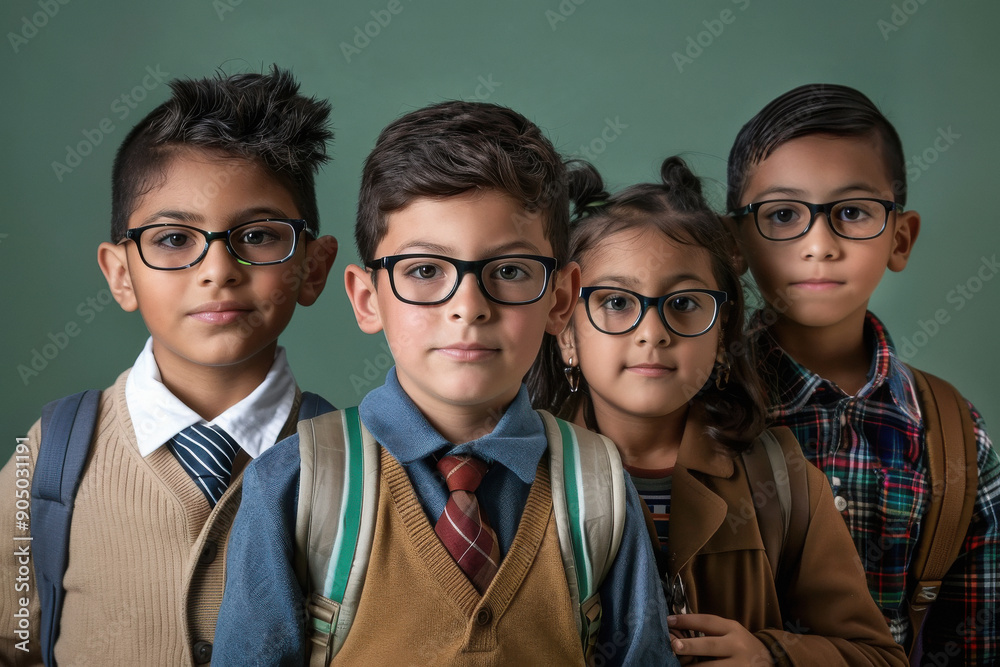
(588, 500)
(338, 494)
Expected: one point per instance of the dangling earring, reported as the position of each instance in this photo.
(572, 376)
(722, 370)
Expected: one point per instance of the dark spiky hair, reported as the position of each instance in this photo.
(256, 117)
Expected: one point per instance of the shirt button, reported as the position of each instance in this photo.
(208, 553)
(484, 616)
(840, 502)
(202, 652)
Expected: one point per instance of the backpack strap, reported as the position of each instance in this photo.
(335, 524)
(67, 429)
(950, 447)
(588, 500)
(780, 495)
(313, 405)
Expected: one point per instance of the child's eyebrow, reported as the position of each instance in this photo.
(787, 191)
(514, 247)
(633, 283)
(192, 217)
(170, 214)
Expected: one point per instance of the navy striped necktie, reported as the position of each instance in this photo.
(206, 452)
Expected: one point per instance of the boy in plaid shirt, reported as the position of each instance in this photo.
(816, 186)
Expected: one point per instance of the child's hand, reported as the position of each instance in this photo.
(725, 643)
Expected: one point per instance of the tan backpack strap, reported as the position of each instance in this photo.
(950, 446)
(588, 501)
(796, 469)
(772, 516)
(338, 497)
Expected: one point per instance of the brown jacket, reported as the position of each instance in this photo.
(718, 564)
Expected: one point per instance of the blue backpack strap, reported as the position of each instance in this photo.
(67, 429)
(313, 405)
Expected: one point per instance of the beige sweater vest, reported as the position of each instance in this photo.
(418, 607)
(147, 554)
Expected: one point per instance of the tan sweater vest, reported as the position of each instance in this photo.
(147, 554)
(418, 607)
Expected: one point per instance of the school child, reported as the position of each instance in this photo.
(817, 190)
(229, 159)
(648, 360)
(462, 228)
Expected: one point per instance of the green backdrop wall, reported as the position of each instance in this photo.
(626, 82)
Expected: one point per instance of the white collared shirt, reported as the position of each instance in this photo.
(255, 422)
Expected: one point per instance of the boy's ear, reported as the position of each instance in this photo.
(903, 238)
(363, 297)
(739, 261)
(113, 260)
(567, 293)
(320, 254)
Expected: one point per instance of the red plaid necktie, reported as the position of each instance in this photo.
(462, 528)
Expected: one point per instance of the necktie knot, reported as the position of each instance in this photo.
(462, 527)
(462, 473)
(206, 452)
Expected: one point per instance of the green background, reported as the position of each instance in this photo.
(573, 67)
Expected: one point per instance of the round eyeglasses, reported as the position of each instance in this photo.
(427, 280)
(859, 219)
(169, 246)
(687, 313)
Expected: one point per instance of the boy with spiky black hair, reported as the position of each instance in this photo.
(817, 187)
(230, 159)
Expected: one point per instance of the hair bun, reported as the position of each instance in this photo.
(683, 186)
(586, 187)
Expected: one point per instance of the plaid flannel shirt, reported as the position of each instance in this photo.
(871, 447)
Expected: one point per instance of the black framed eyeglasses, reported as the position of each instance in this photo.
(860, 219)
(170, 246)
(428, 280)
(687, 313)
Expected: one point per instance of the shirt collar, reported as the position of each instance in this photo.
(255, 422)
(793, 385)
(517, 441)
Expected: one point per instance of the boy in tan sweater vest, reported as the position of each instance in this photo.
(228, 159)
(462, 230)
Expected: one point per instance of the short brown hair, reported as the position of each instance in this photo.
(451, 148)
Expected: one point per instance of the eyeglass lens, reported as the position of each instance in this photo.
(431, 280)
(855, 218)
(173, 246)
(687, 313)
